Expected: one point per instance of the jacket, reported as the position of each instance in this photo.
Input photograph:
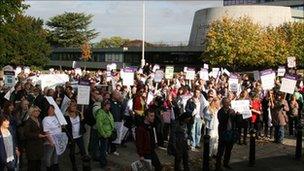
(69, 128)
(278, 113)
(2, 148)
(34, 144)
(145, 142)
(104, 123)
(224, 116)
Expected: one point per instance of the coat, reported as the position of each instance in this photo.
(105, 123)
(145, 142)
(68, 127)
(34, 144)
(278, 113)
(2, 147)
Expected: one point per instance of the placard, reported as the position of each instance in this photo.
(291, 62)
(159, 75)
(225, 71)
(281, 71)
(169, 71)
(214, 72)
(242, 107)
(203, 74)
(83, 93)
(60, 141)
(78, 71)
(190, 74)
(206, 66)
(256, 75)
(288, 84)
(233, 83)
(121, 132)
(127, 77)
(58, 112)
(65, 104)
(267, 79)
(51, 80)
(9, 78)
(27, 70)
(155, 67)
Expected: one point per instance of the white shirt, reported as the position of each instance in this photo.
(51, 125)
(75, 127)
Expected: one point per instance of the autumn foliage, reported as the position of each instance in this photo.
(86, 51)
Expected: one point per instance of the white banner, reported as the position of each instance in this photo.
(190, 74)
(267, 79)
(169, 72)
(243, 107)
(51, 80)
(65, 104)
(203, 74)
(60, 140)
(58, 112)
(127, 77)
(121, 132)
(159, 75)
(83, 95)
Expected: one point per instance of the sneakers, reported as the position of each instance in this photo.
(116, 153)
(193, 149)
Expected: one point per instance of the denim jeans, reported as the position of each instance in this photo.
(196, 132)
(80, 144)
(278, 133)
(50, 155)
(103, 145)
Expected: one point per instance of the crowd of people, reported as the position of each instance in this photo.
(172, 114)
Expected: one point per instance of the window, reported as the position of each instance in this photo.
(113, 57)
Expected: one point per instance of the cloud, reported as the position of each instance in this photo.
(166, 21)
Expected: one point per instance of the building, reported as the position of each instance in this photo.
(264, 12)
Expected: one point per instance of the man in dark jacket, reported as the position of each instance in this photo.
(227, 125)
(146, 140)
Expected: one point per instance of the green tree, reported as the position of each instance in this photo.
(70, 29)
(9, 9)
(25, 42)
(112, 42)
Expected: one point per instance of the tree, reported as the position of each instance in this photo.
(86, 51)
(112, 42)
(25, 42)
(70, 29)
(240, 44)
(9, 9)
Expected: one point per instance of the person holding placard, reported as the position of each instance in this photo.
(242, 123)
(293, 115)
(279, 118)
(256, 109)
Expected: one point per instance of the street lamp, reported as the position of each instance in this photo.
(143, 35)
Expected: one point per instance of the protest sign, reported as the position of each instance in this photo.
(18, 70)
(155, 67)
(203, 74)
(65, 104)
(121, 132)
(159, 75)
(190, 74)
(27, 70)
(256, 75)
(112, 66)
(78, 71)
(83, 93)
(128, 77)
(214, 72)
(185, 69)
(169, 72)
(288, 84)
(58, 112)
(60, 141)
(281, 71)
(233, 83)
(8, 94)
(51, 80)
(291, 62)
(142, 165)
(242, 107)
(206, 66)
(267, 79)
(9, 78)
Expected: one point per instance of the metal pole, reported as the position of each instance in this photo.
(143, 34)
(252, 148)
(299, 134)
(206, 153)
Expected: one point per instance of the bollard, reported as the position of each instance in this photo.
(252, 148)
(206, 152)
(299, 133)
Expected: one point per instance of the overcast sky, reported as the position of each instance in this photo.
(166, 21)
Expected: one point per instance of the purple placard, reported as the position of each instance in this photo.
(84, 82)
(204, 69)
(290, 77)
(233, 76)
(266, 72)
(190, 69)
(128, 69)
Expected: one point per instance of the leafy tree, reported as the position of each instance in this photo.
(86, 51)
(9, 9)
(25, 42)
(112, 42)
(70, 29)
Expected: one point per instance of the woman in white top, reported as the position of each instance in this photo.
(210, 116)
(51, 126)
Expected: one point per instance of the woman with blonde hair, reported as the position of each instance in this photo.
(210, 116)
(34, 137)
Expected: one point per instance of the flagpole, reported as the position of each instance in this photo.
(143, 34)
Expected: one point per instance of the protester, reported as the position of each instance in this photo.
(34, 137)
(146, 140)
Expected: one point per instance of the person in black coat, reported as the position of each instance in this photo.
(227, 125)
(75, 130)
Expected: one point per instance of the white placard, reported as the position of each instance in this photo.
(18, 71)
(65, 104)
(111, 67)
(267, 79)
(203, 74)
(206, 66)
(140, 165)
(288, 84)
(214, 72)
(8, 94)
(169, 72)
(78, 71)
(58, 112)
(225, 71)
(155, 67)
(233, 84)
(27, 70)
(281, 71)
(190, 74)
(243, 107)
(83, 95)
(256, 75)
(121, 132)
(159, 75)
(291, 62)
(127, 78)
(61, 141)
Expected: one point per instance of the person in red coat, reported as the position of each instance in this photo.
(146, 140)
(256, 109)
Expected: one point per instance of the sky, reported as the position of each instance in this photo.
(166, 21)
